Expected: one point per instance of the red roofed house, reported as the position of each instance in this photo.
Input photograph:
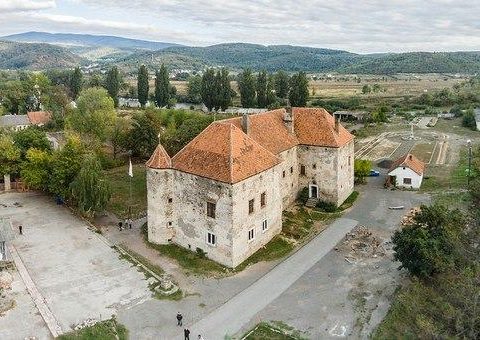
(407, 172)
(39, 118)
(225, 191)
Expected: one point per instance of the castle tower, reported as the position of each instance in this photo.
(161, 212)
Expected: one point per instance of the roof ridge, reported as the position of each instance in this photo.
(253, 140)
(192, 141)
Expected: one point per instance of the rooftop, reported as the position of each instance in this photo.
(14, 120)
(409, 161)
(39, 117)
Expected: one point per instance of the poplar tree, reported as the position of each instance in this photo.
(208, 90)
(246, 84)
(142, 85)
(112, 84)
(224, 90)
(262, 89)
(162, 87)
(281, 84)
(298, 95)
(76, 82)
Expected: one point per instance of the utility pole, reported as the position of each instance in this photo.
(469, 143)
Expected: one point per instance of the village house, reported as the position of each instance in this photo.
(224, 192)
(39, 118)
(407, 172)
(14, 122)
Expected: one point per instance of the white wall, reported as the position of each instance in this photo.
(404, 172)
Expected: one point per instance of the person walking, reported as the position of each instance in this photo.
(186, 332)
(179, 319)
(200, 337)
(20, 229)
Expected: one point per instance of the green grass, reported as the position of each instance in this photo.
(119, 182)
(273, 331)
(103, 330)
(277, 248)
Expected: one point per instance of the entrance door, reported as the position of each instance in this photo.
(313, 192)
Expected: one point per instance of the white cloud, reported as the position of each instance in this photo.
(26, 5)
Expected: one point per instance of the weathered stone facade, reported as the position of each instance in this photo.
(248, 212)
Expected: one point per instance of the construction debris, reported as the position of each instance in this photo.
(6, 301)
(409, 217)
(87, 323)
(361, 243)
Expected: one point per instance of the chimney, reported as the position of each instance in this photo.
(337, 125)
(410, 156)
(245, 123)
(288, 119)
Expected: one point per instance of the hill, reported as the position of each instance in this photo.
(89, 46)
(238, 56)
(15, 55)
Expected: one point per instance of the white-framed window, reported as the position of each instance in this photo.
(211, 239)
(264, 225)
(251, 234)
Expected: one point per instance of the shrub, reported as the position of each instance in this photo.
(303, 195)
(327, 206)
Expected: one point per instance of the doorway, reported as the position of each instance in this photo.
(313, 191)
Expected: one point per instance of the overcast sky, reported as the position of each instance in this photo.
(361, 26)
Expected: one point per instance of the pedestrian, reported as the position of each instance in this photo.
(186, 332)
(200, 337)
(20, 229)
(120, 225)
(179, 319)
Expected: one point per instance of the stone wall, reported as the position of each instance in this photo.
(243, 221)
(289, 183)
(345, 176)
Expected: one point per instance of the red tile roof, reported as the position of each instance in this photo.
(159, 159)
(409, 161)
(224, 153)
(39, 117)
(269, 130)
(315, 126)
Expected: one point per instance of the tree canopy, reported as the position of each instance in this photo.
(142, 85)
(162, 87)
(247, 87)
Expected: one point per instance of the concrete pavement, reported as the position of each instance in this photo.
(229, 318)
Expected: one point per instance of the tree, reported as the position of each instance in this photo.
(366, 89)
(76, 82)
(112, 84)
(90, 189)
(9, 155)
(282, 84)
(298, 94)
(95, 114)
(66, 164)
(162, 87)
(194, 89)
(120, 136)
(247, 85)
(142, 138)
(208, 89)
(361, 169)
(429, 244)
(469, 119)
(142, 85)
(262, 82)
(224, 98)
(35, 170)
(270, 97)
(31, 137)
(380, 114)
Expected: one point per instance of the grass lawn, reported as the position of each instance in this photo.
(423, 151)
(119, 181)
(273, 331)
(103, 330)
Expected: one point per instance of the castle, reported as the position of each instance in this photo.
(225, 191)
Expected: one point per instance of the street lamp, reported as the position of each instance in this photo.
(469, 144)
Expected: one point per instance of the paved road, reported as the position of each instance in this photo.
(229, 318)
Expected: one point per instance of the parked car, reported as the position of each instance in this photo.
(374, 173)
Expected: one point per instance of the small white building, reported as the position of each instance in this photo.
(407, 172)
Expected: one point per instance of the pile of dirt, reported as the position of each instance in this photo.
(361, 243)
(408, 218)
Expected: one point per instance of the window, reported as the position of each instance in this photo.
(211, 239)
(251, 234)
(291, 169)
(211, 209)
(302, 170)
(314, 166)
(170, 200)
(407, 181)
(264, 225)
(251, 206)
(170, 224)
(283, 174)
(349, 160)
(263, 199)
